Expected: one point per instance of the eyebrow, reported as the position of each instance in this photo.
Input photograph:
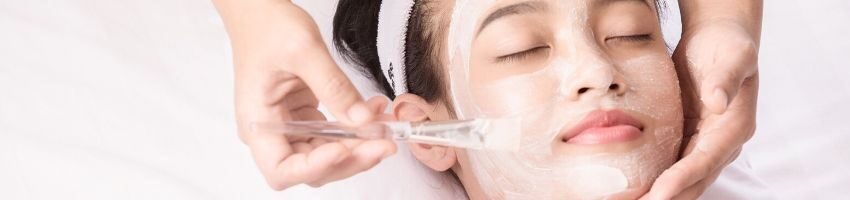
(602, 3)
(536, 6)
(513, 9)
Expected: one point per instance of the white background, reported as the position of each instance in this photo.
(133, 100)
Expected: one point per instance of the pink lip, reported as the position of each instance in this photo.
(603, 127)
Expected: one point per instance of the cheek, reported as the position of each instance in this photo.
(513, 95)
(656, 94)
(654, 87)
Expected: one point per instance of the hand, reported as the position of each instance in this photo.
(282, 70)
(717, 64)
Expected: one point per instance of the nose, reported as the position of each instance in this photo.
(594, 74)
(596, 79)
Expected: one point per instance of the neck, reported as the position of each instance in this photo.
(468, 180)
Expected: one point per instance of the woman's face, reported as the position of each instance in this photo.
(590, 80)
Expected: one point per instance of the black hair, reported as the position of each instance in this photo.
(355, 34)
(355, 31)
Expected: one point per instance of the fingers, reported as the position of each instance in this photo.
(725, 73)
(729, 131)
(707, 153)
(330, 85)
(364, 156)
(720, 88)
(282, 67)
(724, 76)
(318, 161)
(283, 168)
(697, 166)
(379, 104)
(693, 168)
(696, 190)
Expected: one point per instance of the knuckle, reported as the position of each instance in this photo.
(727, 77)
(366, 165)
(715, 162)
(331, 88)
(745, 49)
(703, 171)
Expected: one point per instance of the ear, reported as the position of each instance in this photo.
(410, 107)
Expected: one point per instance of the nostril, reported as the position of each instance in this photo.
(583, 90)
(614, 86)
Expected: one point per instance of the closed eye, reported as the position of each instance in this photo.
(520, 55)
(632, 38)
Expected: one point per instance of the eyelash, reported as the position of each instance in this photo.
(632, 38)
(520, 55)
(525, 54)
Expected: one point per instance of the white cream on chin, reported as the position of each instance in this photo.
(599, 180)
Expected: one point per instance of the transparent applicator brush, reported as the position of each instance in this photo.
(490, 134)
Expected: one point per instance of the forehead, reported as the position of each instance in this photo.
(505, 8)
(561, 4)
(499, 8)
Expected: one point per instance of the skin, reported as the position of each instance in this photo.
(717, 63)
(602, 49)
(283, 70)
(279, 36)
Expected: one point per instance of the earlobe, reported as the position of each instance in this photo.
(410, 107)
(438, 158)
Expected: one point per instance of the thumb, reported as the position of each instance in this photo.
(720, 88)
(731, 65)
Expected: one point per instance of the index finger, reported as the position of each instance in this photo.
(282, 168)
(331, 86)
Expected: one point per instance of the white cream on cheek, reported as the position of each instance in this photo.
(537, 171)
(539, 100)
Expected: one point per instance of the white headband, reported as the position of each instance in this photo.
(392, 31)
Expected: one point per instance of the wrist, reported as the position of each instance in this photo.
(698, 14)
(725, 26)
(235, 13)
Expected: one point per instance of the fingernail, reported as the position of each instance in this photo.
(386, 102)
(373, 131)
(722, 98)
(359, 113)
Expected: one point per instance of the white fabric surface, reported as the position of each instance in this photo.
(133, 100)
(392, 32)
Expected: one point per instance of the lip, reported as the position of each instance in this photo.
(604, 127)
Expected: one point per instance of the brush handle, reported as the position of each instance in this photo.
(457, 133)
(334, 130)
